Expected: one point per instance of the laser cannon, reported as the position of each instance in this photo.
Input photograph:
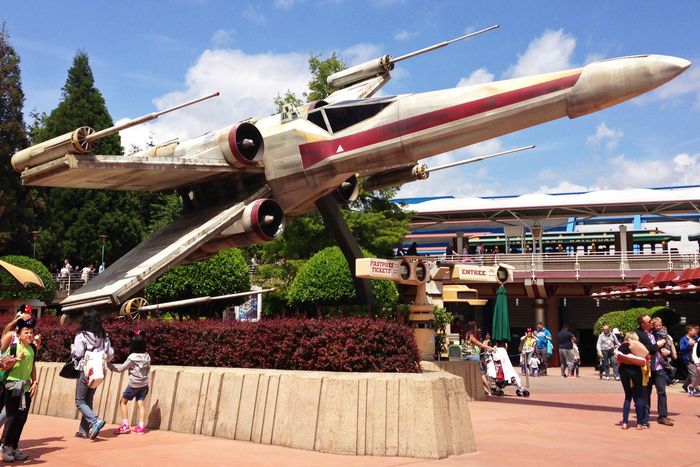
(82, 140)
(383, 65)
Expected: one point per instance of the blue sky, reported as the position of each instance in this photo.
(149, 55)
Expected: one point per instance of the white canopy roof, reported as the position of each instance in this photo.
(554, 209)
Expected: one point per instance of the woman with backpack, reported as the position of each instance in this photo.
(91, 338)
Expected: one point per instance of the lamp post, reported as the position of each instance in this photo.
(104, 238)
(35, 235)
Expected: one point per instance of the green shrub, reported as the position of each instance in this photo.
(226, 273)
(45, 295)
(325, 280)
(626, 320)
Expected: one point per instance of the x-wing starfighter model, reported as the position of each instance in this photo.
(240, 182)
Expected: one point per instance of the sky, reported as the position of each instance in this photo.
(146, 56)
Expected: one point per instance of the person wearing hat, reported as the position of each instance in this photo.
(618, 335)
(9, 333)
(21, 384)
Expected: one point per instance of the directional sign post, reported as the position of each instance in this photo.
(413, 271)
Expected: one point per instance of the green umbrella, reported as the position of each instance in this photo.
(501, 325)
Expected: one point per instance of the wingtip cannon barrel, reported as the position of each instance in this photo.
(385, 63)
(82, 140)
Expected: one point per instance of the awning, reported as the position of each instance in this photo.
(458, 293)
(24, 277)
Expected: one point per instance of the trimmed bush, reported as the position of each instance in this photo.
(349, 344)
(45, 295)
(223, 274)
(626, 320)
(325, 280)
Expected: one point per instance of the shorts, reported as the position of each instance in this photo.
(138, 393)
(475, 358)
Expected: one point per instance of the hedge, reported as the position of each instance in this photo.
(626, 320)
(348, 344)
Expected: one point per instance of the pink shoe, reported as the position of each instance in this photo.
(138, 430)
(123, 428)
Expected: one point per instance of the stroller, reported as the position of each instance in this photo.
(500, 373)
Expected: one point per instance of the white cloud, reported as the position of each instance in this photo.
(386, 3)
(550, 52)
(360, 53)
(222, 37)
(479, 76)
(243, 94)
(683, 169)
(404, 35)
(563, 187)
(253, 14)
(284, 4)
(604, 135)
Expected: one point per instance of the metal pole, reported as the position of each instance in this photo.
(192, 301)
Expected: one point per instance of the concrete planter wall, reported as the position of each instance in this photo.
(398, 414)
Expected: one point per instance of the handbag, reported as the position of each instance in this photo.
(68, 371)
(94, 367)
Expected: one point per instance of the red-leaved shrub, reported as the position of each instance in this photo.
(343, 344)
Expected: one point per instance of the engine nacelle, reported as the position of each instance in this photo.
(396, 177)
(262, 221)
(74, 142)
(241, 145)
(357, 73)
(348, 191)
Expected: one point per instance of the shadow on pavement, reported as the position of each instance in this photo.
(565, 405)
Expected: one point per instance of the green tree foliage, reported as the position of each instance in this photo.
(11, 290)
(320, 71)
(325, 280)
(319, 89)
(289, 98)
(442, 319)
(74, 219)
(225, 273)
(15, 207)
(626, 320)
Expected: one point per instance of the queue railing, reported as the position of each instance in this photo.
(627, 264)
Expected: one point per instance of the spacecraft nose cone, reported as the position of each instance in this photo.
(664, 68)
(609, 82)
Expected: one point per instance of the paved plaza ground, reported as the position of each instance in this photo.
(565, 422)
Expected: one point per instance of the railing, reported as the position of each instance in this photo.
(631, 264)
(65, 285)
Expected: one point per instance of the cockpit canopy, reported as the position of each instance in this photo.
(341, 115)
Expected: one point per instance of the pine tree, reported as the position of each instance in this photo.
(75, 219)
(15, 213)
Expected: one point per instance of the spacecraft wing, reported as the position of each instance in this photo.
(166, 248)
(127, 172)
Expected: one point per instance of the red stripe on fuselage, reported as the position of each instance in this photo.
(313, 153)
